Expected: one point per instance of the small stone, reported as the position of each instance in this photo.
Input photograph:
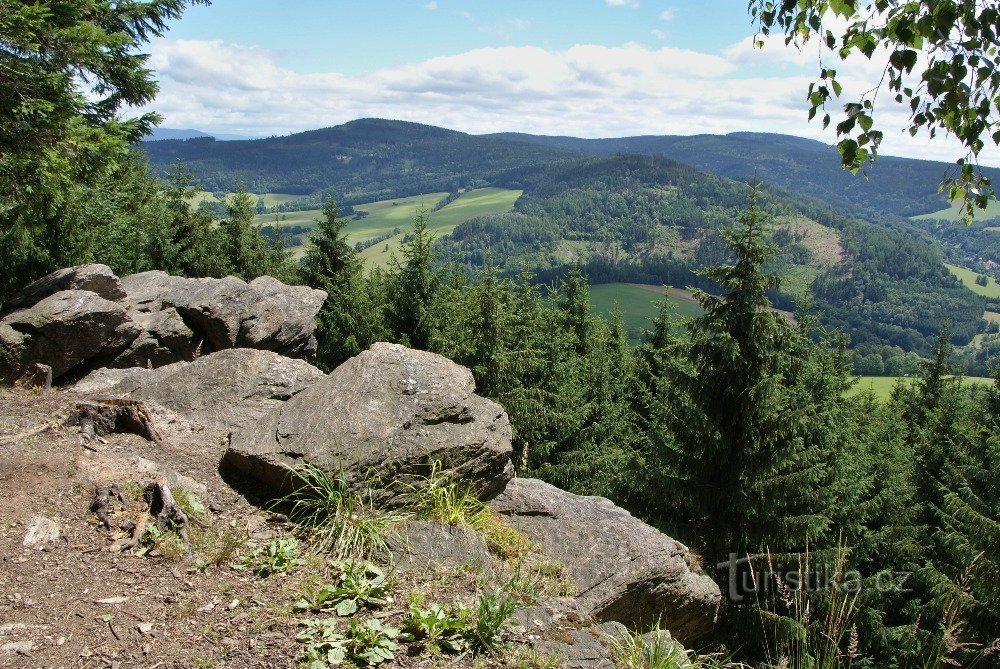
(41, 533)
(144, 628)
(111, 600)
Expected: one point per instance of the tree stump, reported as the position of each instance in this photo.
(99, 419)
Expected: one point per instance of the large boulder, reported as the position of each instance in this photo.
(230, 313)
(226, 390)
(165, 339)
(623, 570)
(95, 278)
(69, 331)
(387, 414)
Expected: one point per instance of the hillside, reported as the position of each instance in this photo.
(899, 186)
(360, 161)
(374, 159)
(648, 220)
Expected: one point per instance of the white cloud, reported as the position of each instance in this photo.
(430, 5)
(622, 3)
(586, 90)
(667, 15)
(658, 34)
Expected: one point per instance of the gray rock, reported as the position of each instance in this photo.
(63, 331)
(387, 414)
(229, 313)
(41, 533)
(299, 306)
(623, 569)
(165, 339)
(227, 389)
(423, 546)
(120, 382)
(95, 278)
(561, 629)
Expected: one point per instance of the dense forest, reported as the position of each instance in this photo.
(868, 531)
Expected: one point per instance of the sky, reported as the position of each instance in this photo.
(588, 68)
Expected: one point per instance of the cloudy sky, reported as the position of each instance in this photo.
(590, 68)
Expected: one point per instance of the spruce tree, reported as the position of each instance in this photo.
(351, 317)
(413, 283)
(746, 472)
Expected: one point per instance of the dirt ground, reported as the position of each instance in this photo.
(76, 602)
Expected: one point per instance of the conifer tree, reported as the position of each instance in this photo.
(413, 284)
(351, 317)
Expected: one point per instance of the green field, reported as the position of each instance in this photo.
(882, 386)
(270, 199)
(638, 303)
(968, 277)
(386, 215)
(954, 213)
(383, 217)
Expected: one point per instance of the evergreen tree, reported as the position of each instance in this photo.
(249, 252)
(746, 471)
(351, 317)
(413, 284)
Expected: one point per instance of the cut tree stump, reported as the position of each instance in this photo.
(163, 512)
(99, 419)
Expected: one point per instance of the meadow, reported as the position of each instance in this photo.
(385, 216)
(881, 386)
(968, 278)
(954, 213)
(638, 303)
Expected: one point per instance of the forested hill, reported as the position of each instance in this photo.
(649, 220)
(900, 186)
(360, 161)
(372, 159)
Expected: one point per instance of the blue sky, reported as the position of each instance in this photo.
(353, 37)
(590, 68)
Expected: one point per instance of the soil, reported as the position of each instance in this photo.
(75, 603)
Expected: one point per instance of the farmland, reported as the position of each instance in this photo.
(881, 386)
(387, 215)
(968, 278)
(954, 213)
(637, 303)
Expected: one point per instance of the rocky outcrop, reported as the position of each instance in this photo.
(387, 414)
(227, 390)
(82, 318)
(230, 313)
(97, 279)
(623, 569)
(64, 330)
(424, 546)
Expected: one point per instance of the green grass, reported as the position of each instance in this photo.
(480, 202)
(270, 199)
(954, 213)
(968, 277)
(882, 385)
(638, 303)
(386, 215)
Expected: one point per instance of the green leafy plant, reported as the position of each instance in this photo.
(360, 583)
(438, 627)
(276, 556)
(340, 521)
(167, 544)
(322, 645)
(370, 642)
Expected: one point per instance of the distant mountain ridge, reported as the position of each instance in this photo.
(162, 134)
(370, 159)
